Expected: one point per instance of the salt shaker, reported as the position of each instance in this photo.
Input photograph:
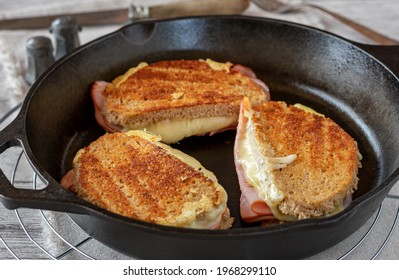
(40, 57)
(65, 30)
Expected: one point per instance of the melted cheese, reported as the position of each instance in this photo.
(173, 131)
(120, 79)
(307, 109)
(188, 217)
(221, 66)
(258, 171)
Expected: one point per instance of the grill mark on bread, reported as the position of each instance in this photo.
(108, 196)
(136, 180)
(183, 88)
(327, 158)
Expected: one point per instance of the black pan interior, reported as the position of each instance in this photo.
(299, 64)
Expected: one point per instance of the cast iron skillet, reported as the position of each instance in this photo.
(353, 84)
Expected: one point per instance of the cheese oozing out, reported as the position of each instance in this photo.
(173, 131)
(307, 109)
(188, 218)
(258, 170)
(120, 79)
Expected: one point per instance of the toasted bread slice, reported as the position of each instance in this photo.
(177, 98)
(136, 176)
(300, 163)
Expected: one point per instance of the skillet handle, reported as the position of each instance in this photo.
(53, 197)
(388, 55)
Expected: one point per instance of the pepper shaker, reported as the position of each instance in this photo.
(40, 57)
(65, 30)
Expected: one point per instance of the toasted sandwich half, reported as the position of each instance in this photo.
(136, 176)
(177, 98)
(292, 164)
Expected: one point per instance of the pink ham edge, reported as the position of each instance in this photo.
(252, 207)
(98, 96)
(238, 68)
(246, 71)
(219, 222)
(67, 180)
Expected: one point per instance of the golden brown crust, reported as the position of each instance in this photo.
(227, 220)
(177, 89)
(325, 170)
(137, 178)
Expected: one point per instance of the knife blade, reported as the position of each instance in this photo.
(133, 12)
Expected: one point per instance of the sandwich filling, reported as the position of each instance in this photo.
(304, 180)
(134, 175)
(259, 171)
(174, 130)
(176, 99)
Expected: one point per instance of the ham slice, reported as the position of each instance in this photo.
(238, 68)
(219, 222)
(67, 180)
(98, 96)
(252, 207)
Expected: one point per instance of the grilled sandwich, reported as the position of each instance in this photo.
(292, 164)
(134, 175)
(177, 98)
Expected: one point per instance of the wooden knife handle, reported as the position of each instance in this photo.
(196, 8)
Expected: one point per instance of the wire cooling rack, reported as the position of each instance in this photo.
(40, 234)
